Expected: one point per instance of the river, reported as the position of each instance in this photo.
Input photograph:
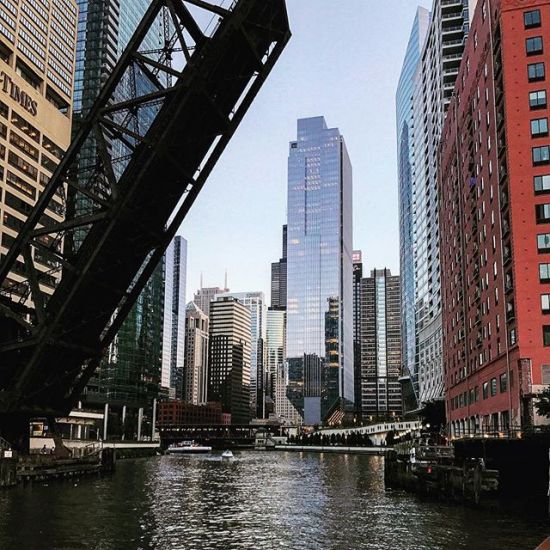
(259, 501)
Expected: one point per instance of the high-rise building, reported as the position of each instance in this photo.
(357, 276)
(495, 221)
(319, 272)
(204, 296)
(405, 160)
(256, 305)
(173, 343)
(129, 378)
(381, 344)
(195, 371)
(278, 277)
(37, 61)
(229, 358)
(275, 353)
(432, 89)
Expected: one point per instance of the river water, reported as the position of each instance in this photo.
(259, 501)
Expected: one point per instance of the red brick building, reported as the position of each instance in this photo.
(494, 187)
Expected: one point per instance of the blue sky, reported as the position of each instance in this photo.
(342, 62)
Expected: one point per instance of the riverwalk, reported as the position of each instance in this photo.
(341, 449)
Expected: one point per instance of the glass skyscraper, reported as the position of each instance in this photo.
(175, 278)
(130, 374)
(405, 158)
(319, 277)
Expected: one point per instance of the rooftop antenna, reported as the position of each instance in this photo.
(225, 282)
(201, 280)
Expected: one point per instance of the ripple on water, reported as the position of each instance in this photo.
(258, 501)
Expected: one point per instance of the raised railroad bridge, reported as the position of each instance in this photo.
(156, 130)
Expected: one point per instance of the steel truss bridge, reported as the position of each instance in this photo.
(127, 181)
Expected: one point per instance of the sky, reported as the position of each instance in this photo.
(343, 62)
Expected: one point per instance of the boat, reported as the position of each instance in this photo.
(227, 455)
(188, 447)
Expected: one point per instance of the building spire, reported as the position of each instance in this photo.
(201, 280)
(225, 280)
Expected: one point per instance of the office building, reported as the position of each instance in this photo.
(195, 371)
(256, 305)
(380, 345)
(275, 353)
(357, 276)
(205, 295)
(432, 89)
(495, 222)
(319, 272)
(229, 358)
(37, 61)
(129, 379)
(173, 337)
(278, 277)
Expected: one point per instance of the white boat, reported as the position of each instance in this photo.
(188, 447)
(227, 455)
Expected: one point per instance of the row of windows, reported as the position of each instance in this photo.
(488, 389)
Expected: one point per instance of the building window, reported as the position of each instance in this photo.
(539, 127)
(535, 72)
(512, 337)
(545, 374)
(543, 242)
(485, 390)
(541, 155)
(545, 303)
(493, 387)
(531, 19)
(534, 45)
(546, 335)
(542, 212)
(537, 100)
(503, 382)
(544, 273)
(542, 184)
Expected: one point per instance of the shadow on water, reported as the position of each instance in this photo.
(256, 501)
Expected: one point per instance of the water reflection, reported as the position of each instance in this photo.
(258, 501)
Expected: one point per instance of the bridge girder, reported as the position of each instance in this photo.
(127, 181)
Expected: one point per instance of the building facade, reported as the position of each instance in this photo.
(433, 86)
(129, 379)
(275, 353)
(381, 345)
(195, 371)
(278, 277)
(319, 271)
(357, 276)
(406, 159)
(205, 295)
(495, 219)
(229, 358)
(37, 61)
(173, 337)
(256, 305)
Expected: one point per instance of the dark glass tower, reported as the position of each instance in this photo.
(130, 374)
(357, 276)
(278, 277)
(319, 276)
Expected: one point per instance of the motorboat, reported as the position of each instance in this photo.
(188, 447)
(227, 455)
